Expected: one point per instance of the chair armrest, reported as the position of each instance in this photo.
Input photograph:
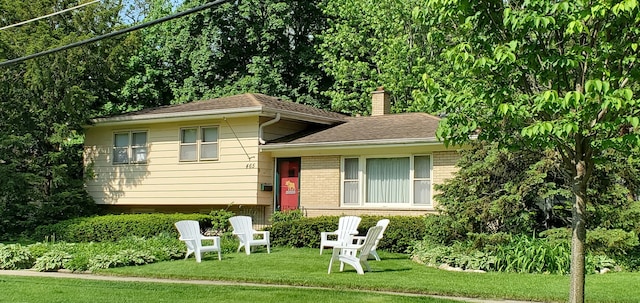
(329, 233)
(264, 233)
(215, 239)
(185, 239)
(359, 239)
(325, 235)
(348, 247)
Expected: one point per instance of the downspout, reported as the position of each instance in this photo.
(276, 119)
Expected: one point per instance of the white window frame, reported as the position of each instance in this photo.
(199, 143)
(130, 147)
(362, 175)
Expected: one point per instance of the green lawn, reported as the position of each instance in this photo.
(52, 290)
(395, 272)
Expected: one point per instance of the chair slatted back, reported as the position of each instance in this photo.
(347, 227)
(189, 229)
(242, 225)
(370, 241)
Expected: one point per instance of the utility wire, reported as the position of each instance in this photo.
(49, 15)
(116, 33)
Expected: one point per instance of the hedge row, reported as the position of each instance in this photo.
(115, 227)
(401, 233)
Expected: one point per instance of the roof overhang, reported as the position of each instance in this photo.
(208, 114)
(351, 144)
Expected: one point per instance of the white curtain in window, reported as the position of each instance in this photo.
(422, 183)
(422, 190)
(388, 180)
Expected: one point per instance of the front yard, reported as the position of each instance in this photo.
(304, 266)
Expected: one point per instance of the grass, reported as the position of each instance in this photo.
(304, 267)
(52, 290)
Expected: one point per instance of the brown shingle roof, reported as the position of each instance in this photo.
(411, 126)
(230, 103)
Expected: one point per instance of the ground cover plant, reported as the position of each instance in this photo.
(132, 250)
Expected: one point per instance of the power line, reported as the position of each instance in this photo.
(116, 33)
(49, 15)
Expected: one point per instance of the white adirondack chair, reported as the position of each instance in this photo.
(356, 255)
(359, 239)
(190, 233)
(347, 228)
(243, 229)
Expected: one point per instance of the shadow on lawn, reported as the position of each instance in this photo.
(390, 269)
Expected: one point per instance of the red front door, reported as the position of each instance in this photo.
(288, 170)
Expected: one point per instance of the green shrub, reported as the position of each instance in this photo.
(430, 254)
(401, 233)
(596, 263)
(301, 233)
(127, 257)
(115, 227)
(286, 216)
(220, 221)
(612, 242)
(443, 229)
(52, 260)
(15, 256)
(461, 255)
(83, 253)
(526, 254)
(482, 241)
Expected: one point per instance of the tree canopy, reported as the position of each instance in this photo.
(252, 46)
(44, 102)
(539, 74)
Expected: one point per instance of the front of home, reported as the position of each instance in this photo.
(255, 154)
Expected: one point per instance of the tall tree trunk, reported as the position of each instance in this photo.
(579, 233)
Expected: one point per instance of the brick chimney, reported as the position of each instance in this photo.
(380, 102)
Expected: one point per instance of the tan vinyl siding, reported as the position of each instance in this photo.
(164, 179)
(265, 176)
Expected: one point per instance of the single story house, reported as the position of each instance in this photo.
(256, 154)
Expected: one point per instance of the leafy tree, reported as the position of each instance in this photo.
(45, 101)
(370, 44)
(538, 74)
(253, 46)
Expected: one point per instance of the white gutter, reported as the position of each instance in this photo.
(274, 120)
(307, 117)
(363, 143)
